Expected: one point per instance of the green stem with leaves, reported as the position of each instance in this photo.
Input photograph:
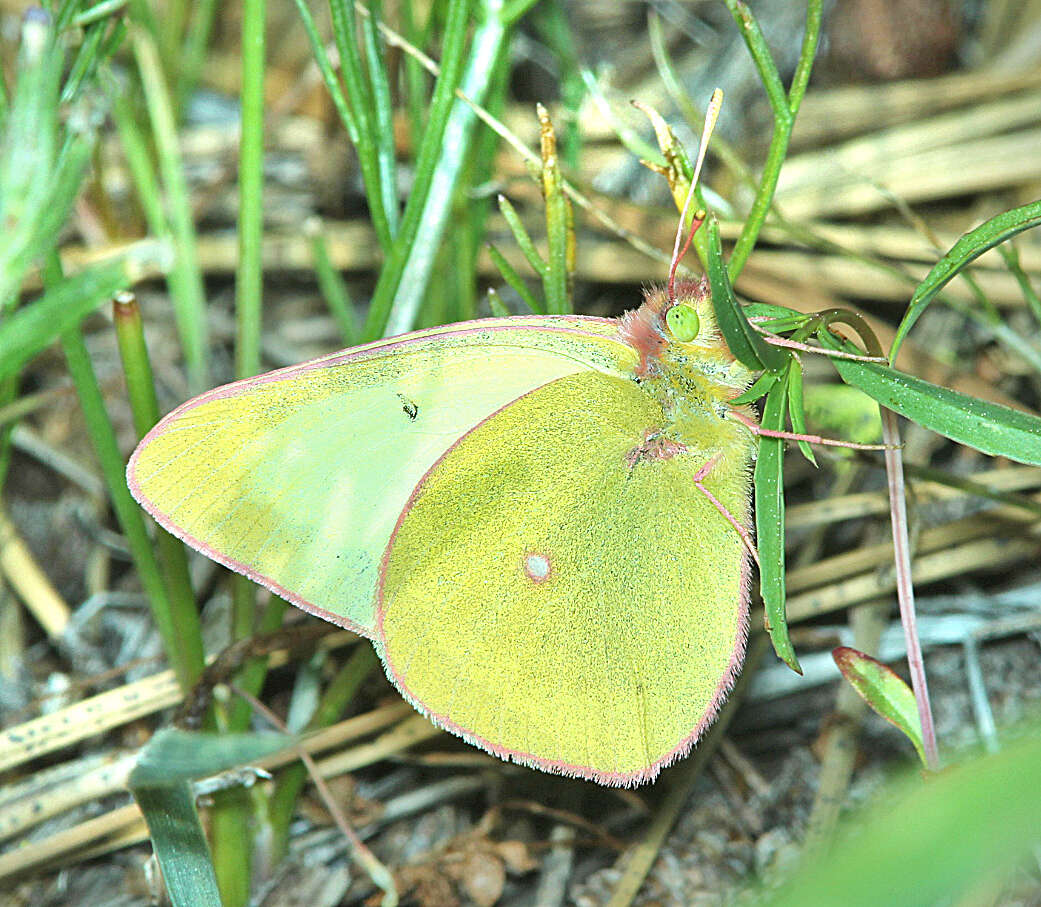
(784, 105)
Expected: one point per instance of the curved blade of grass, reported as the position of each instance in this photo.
(769, 524)
(989, 427)
(760, 388)
(969, 247)
(447, 139)
(510, 275)
(744, 341)
(161, 784)
(776, 313)
(35, 326)
(882, 689)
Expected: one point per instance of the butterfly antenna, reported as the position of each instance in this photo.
(711, 115)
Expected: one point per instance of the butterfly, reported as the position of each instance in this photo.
(534, 519)
(538, 521)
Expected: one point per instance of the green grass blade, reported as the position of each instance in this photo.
(510, 275)
(332, 82)
(1011, 255)
(359, 98)
(744, 341)
(760, 387)
(27, 152)
(37, 325)
(189, 299)
(556, 280)
(404, 280)
(969, 247)
(769, 523)
(521, 235)
(179, 843)
(161, 784)
(932, 843)
(497, 306)
(178, 627)
(196, 42)
(86, 61)
(331, 285)
(383, 118)
(249, 275)
(784, 106)
(796, 410)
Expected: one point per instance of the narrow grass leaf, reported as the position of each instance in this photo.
(497, 306)
(933, 843)
(383, 117)
(744, 341)
(442, 154)
(760, 388)
(969, 247)
(35, 326)
(161, 784)
(796, 410)
(520, 234)
(332, 286)
(510, 275)
(179, 844)
(769, 524)
(557, 278)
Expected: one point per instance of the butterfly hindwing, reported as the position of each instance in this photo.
(555, 598)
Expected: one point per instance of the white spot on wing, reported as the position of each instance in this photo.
(537, 567)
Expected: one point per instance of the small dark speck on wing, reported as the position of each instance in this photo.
(410, 409)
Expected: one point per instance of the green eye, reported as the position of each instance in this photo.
(684, 323)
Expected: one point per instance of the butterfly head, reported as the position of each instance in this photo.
(678, 340)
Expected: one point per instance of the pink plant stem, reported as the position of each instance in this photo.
(757, 429)
(777, 340)
(904, 587)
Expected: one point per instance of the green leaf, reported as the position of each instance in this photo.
(769, 524)
(179, 843)
(781, 318)
(759, 388)
(796, 409)
(510, 275)
(989, 427)
(933, 843)
(883, 690)
(495, 303)
(176, 755)
(744, 341)
(969, 247)
(520, 234)
(844, 412)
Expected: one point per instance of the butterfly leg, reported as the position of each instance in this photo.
(757, 429)
(699, 478)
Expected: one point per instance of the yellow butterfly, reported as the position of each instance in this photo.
(529, 517)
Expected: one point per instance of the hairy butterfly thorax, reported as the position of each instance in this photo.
(685, 364)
